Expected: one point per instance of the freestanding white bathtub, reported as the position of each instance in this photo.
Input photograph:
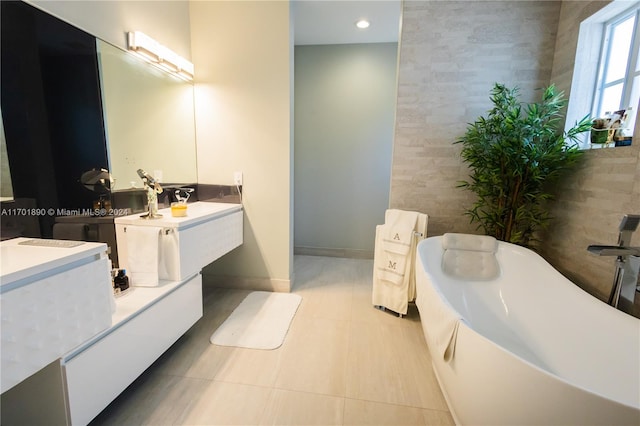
(528, 347)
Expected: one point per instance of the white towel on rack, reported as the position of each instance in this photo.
(397, 237)
(399, 228)
(390, 265)
(394, 277)
(143, 247)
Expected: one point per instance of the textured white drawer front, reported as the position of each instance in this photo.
(43, 320)
(101, 372)
(202, 244)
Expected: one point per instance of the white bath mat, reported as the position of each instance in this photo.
(261, 321)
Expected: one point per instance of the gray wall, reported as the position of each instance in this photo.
(344, 114)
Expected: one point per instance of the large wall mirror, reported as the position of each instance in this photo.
(71, 103)
(149, 119)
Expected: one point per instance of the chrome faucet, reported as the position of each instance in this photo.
(153, 188)
(622, 251)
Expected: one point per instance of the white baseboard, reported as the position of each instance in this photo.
(333, 252)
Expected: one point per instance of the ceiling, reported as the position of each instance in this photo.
(333, 21)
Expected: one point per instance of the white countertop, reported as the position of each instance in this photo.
(18, 261)
(196, 212)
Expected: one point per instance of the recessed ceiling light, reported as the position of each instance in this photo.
(362, 24)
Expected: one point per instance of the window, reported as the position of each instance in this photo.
(606, 71)
(618, 81)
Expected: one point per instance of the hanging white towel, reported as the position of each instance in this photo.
(394, 277)
(399, 230)
(443, 320)
(143, 246)
(397, 238)
(390, 265)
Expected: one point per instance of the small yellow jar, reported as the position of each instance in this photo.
(178, 209)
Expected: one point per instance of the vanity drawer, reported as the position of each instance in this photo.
(100, 373)
(186, 248)
(201, 244)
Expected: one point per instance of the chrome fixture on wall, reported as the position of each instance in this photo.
(623, 251)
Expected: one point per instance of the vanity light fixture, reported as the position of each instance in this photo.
(159, 55)
(362, 24)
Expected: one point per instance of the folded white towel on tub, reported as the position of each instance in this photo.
(442, 319)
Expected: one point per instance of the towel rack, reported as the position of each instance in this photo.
(165, 231)
(394, 289)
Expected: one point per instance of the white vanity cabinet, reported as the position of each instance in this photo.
(148, 322)
(54, 295)
(187, 243)
(83, 380)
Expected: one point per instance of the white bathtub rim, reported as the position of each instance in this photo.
(465, 323)
(562, 379)
(561, 420)
(547, 372)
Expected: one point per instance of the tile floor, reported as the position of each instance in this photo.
(342, 363)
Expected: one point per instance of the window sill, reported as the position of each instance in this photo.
(599, 146)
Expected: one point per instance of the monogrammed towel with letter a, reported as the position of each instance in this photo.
(395, 245)
(397, 237)
(398, 232)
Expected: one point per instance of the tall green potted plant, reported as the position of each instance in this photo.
(515, 154)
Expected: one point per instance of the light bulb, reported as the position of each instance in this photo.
(362, 24)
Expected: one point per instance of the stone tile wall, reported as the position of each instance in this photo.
(451, 54)
(591, 202)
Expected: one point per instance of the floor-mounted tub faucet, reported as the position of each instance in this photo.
(623, 252)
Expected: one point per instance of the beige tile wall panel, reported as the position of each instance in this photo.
(590, 203)
(451, 54)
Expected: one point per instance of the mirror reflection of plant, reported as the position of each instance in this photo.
(515, 154)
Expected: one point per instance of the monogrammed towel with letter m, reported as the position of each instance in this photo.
(394, 257)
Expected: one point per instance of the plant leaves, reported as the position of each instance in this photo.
(515, 153)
